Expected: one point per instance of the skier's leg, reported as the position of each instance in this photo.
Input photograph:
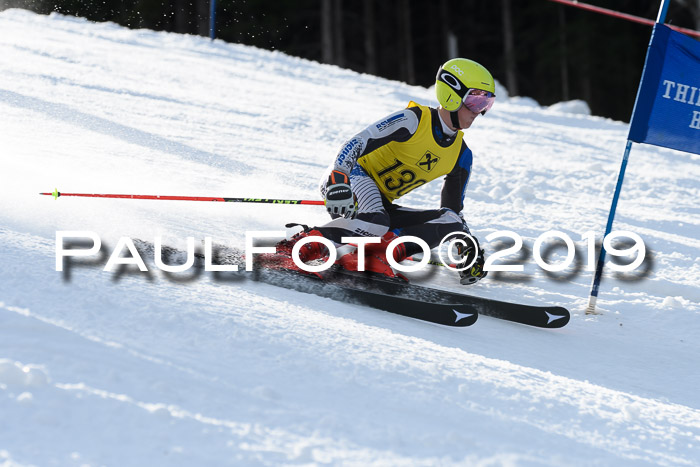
(430, 225)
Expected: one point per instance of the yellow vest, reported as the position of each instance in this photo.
(398, 168)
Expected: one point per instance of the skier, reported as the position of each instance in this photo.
(395, 155)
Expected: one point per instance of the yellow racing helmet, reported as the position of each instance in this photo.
(457, 77)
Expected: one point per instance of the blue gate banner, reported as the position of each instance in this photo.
(667, 111)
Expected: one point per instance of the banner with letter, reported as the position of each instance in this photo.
(667, 111)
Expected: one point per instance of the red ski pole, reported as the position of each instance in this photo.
(56, 194)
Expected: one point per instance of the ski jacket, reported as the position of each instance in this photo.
(408, 149)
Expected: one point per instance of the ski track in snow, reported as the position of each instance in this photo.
(105, 368)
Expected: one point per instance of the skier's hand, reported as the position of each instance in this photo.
(476, 272)
(339, 198)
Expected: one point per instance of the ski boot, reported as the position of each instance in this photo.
(375, 257)
(308, 252)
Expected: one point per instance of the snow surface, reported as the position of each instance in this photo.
(131, 368)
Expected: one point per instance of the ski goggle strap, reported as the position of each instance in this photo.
(478, 100)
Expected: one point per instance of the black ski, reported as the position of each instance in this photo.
(349, 291)
(532, 315)
(398, 296)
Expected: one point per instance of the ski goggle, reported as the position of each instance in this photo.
(478, 100)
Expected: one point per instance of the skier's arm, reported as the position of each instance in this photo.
(456, 181)
(399, 126)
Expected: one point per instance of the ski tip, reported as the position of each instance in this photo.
(558, 318)
(464, 319)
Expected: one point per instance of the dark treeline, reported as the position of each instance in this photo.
(536, 48)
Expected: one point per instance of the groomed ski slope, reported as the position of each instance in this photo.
(98, 368)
